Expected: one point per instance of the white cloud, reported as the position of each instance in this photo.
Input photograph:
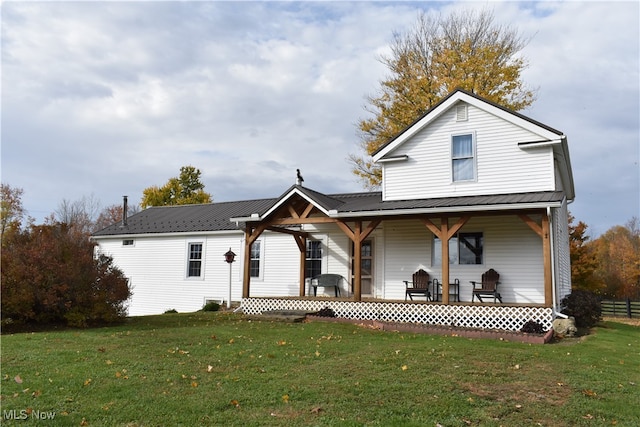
(112, 97)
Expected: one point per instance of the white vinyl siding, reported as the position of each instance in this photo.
(510, 247)
(502, 167)
(562, 258)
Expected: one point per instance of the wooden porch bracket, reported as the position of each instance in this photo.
(357, 236)
(444, 233)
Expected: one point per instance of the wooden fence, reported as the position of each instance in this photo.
(626, 308)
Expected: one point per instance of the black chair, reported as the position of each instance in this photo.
(488, 286)
(419, 285)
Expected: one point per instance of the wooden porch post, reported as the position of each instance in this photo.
(444, 229)
(544, 231)
(357, 262)
(247, 263)
(302, 245)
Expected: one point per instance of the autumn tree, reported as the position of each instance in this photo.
(112, 214)
(49, 275)
(11, 210)
(79, 215)
(617, 253)
(183, 190)
(583, 259)
(467, 50)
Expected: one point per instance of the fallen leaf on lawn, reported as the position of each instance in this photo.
(231, 341)
(118, 374)
(285, 398)
(316, 410)
(209, 368)
(109, 362)
(17, 379)
(36, 393)
(282, 342)
(588, 417)
(317, 353)
(194, 384)
(404, 367)
(84, 422)
(235, 403)
(589, 393)
(87, 381)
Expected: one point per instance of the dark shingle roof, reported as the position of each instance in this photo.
(216, 216)
(187, 218)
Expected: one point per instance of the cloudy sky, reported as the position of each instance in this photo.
(104, 99)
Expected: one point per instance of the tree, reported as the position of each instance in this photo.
(465, 50)
(11, 210)
(112, 214)
(618, 255)
(49, 275)
(583, 259)
(78, 215)
(184, 190)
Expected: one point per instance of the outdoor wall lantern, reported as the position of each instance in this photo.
(229, 257)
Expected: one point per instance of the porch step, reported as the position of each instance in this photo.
(285, 315)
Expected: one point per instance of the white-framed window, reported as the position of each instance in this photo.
(195, 259)
(255, 264)
(464, 249)
(463, 157)
(313, 260)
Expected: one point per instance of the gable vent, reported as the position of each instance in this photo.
(461, 113)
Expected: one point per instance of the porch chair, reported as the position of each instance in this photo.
(419, 285)
(488, 286)
(326, 281)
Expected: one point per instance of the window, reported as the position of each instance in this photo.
(462, 155)
(127, 242)
(254, 263)
(195, 260)
(313, 262)
(464, 249)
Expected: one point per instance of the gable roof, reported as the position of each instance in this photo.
(449, 101)
(217, 217)
(549, 135)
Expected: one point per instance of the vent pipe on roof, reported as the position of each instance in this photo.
(124, 211)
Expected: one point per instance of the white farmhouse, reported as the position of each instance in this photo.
(470, 181)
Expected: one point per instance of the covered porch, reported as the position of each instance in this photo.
(300, 212)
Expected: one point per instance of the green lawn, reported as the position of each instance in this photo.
(222, 369)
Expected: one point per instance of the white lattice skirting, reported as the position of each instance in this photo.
(507, 318)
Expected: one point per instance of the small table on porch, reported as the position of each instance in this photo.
(454, 290)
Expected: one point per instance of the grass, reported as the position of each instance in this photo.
(217, 368)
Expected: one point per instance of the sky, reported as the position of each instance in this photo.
(104, 99)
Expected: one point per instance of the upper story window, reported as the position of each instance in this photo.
(254, 262)
(464, 249)
(127, 242)
(313, 261)
(194, 261)
(463, 157)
